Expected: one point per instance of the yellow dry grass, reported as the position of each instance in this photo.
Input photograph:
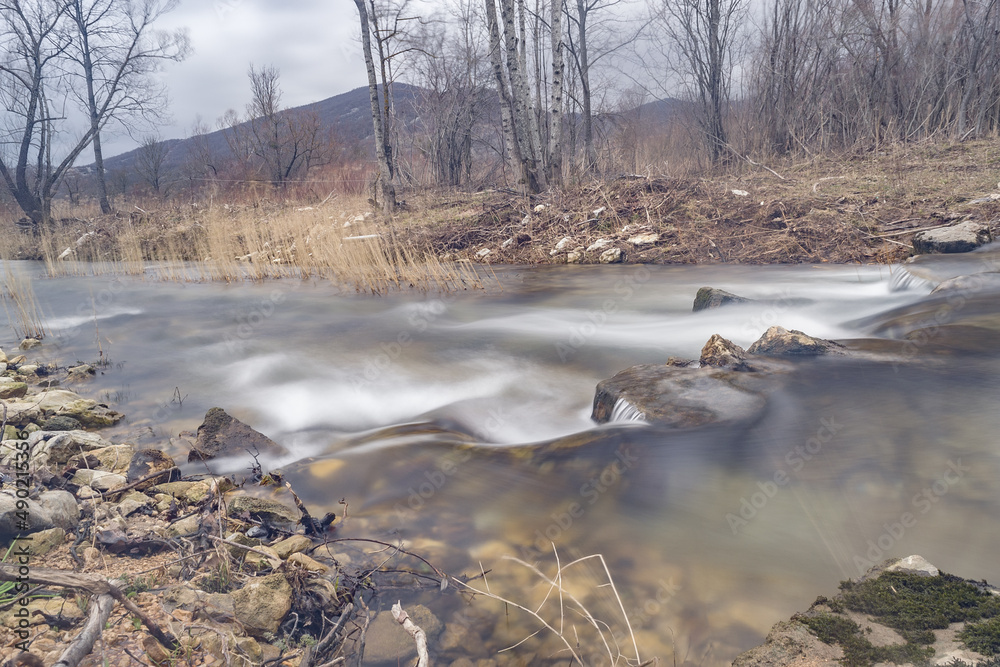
(253, 241)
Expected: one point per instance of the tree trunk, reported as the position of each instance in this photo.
(526, 130)
(88, 72)
(385, 193)
(555, 107)
(514, 157)
(588, 121)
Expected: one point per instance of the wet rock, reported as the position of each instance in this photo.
(29, 343)
(721, 352)
(262, 604)
(262, 509)
(3, 357)
(684, 397)
(146, 462)
(612, 256)
(963, 237)
(710, 297)
(81, 372)
(388, 642)
(222, 435)
(988, 280)
(61, 423)
(780, 342)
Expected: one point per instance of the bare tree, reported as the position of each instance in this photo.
(702, 34)
(32, 43)
(116, 52)
(150, 162)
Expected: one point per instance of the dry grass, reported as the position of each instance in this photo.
(847, 208)
(254, 241)
(560, 611)
(19, 302)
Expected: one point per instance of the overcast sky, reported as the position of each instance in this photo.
(314, 43)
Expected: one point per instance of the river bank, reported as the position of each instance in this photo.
(843, 209)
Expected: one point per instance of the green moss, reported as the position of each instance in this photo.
(983, 637)
(909, 602)
(858, 651)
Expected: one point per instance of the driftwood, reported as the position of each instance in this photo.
(96, 587)
(80, 648)
(415, 631)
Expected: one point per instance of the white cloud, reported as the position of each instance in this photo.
(314, 43)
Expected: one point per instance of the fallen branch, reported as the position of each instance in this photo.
(271, 558)
(80, 648)
(92, 585)
(419, 638)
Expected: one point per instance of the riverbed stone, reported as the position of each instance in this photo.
(963, 237)
(61, 508)
(29, 343)
(976, 282)
(61, 446)
(61, 423)
(262, 604)
(223, 435)
(780, 342)
(262, 509)
(712, 297)
(292, 545)
(684, 397)
(12, 389)
(114, 458)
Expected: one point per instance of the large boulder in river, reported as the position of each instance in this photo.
(780, 342)
(710, 297)
(963, 237)
(223, 435)
(684, 397)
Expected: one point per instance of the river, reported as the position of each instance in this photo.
(460, 424)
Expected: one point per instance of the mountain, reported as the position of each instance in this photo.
(348, 115)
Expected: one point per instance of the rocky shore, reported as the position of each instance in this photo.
(114, 558)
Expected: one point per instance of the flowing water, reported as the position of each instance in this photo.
(460, 424)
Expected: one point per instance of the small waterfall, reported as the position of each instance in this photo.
(626, 412)
(903, 280)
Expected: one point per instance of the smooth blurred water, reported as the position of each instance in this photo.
(461, 423)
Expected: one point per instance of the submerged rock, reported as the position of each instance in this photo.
(223, 435)
(683, 397)
(710, 297)
(963, 237)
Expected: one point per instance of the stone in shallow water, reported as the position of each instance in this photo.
(684, 397)
(710, 297)
(223, 435)
(780, 342)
